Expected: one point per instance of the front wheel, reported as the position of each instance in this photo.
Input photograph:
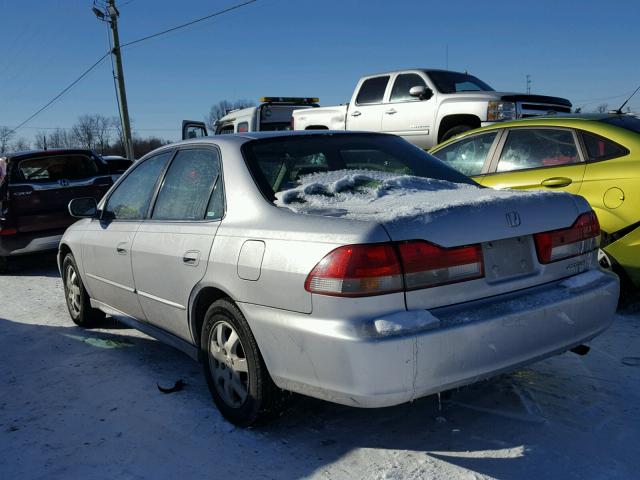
(236, 374)
(77, 298)
(453, 131)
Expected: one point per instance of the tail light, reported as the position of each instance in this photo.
(427, 265)
(379, 268)
(581, 237)
(8, 231)
(357, 270)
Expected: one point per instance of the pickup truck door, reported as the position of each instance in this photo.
(366, 107)
(193, 129)
(537, 158)
(407, 116)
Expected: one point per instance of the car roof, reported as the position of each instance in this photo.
(422, 69)
(53, 151)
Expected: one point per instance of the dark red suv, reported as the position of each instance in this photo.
(35, 189)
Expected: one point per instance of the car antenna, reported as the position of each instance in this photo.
(619, 110)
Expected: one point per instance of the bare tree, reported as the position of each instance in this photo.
(602, 108)
(61, 138)
(220, 109)
(21, 145)
(6, 134)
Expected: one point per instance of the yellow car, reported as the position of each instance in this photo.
(596, 156)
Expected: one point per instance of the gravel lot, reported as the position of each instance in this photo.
(84, 404)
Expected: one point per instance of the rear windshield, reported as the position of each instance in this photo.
(453, 82)
(627, 122)
(59, 167)
(278, 163)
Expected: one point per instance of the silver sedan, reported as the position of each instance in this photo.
(350, 267)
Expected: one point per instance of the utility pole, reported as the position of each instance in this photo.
(528, 83)
(113, 13)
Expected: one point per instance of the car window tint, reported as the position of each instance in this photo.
(278, 163)
(59, 167)
(599, 148)
(130, 200)
(468, 155)
(215, 208)
(537, 148)
(187, 186)
(372, 90)
(402, 85)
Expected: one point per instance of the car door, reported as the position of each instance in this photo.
(537, 157)
(171, 249)
(471, 154)
(106, 251)
(365, 113)
(407, 116)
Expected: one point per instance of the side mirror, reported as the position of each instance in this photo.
(85, 207)
(423, 93)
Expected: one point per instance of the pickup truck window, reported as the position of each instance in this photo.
(468, 155)
(537, 148)
(453, 82)
(402, 85)
(276, 164)
(372, 90)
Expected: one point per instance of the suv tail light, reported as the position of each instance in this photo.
(427, 265)
(357, 270)
(379, 268)
(581, 237)
(8, 231)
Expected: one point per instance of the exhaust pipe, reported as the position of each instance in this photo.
(581, 350)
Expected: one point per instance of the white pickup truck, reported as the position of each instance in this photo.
(425, 106)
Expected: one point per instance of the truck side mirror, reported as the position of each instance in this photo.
(423, 93)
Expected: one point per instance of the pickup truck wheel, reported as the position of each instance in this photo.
(77, 299)
(234, 369)
(453, 131)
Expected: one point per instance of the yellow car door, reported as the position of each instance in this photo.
(537, 157)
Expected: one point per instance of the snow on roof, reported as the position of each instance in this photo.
(387, 197)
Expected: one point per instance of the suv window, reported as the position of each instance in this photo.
(130, 200)
(58, 167)
(188, 185)
(402, 85)
(537, 148)
(372, 90)
(468, 154)
(599, 148)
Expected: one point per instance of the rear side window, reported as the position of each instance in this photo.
(402, 85)
(537, 148)
(131, 198)
(468, 155)
(372, 90)
(59, 167)
(188, 185)
(599, 148)
(278, 163)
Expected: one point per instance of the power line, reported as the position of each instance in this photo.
(201, 19)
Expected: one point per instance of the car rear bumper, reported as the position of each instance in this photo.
(23, 243)
(354, 362)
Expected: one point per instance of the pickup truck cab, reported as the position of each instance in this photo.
(425, 106)
(273, 113)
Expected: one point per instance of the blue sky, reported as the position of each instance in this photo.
(585, 50)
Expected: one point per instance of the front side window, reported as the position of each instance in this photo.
(59, 167)
(372, 90)
(402, 85)
(537, 148)
(278, 163)
(599, 148)
(187, 187)
(468, 155)
(130, 200)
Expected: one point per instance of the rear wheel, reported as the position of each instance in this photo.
(78, 302)
(607, 262)
(453, 131)
(234, 369)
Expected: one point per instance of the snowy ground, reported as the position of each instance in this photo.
(84, 404)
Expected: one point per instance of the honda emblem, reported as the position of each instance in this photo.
(513, 219)
(63, 182)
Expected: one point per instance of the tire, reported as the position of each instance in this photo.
(4, 265)
(76, 297)
(236, 374)
(453, 131)
(627, 290)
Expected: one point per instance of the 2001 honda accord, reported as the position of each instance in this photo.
(350, 267)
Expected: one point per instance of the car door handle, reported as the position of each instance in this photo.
(391, 111)
(121, 248)
(355, 114)
(556, 182)
(191, 258)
